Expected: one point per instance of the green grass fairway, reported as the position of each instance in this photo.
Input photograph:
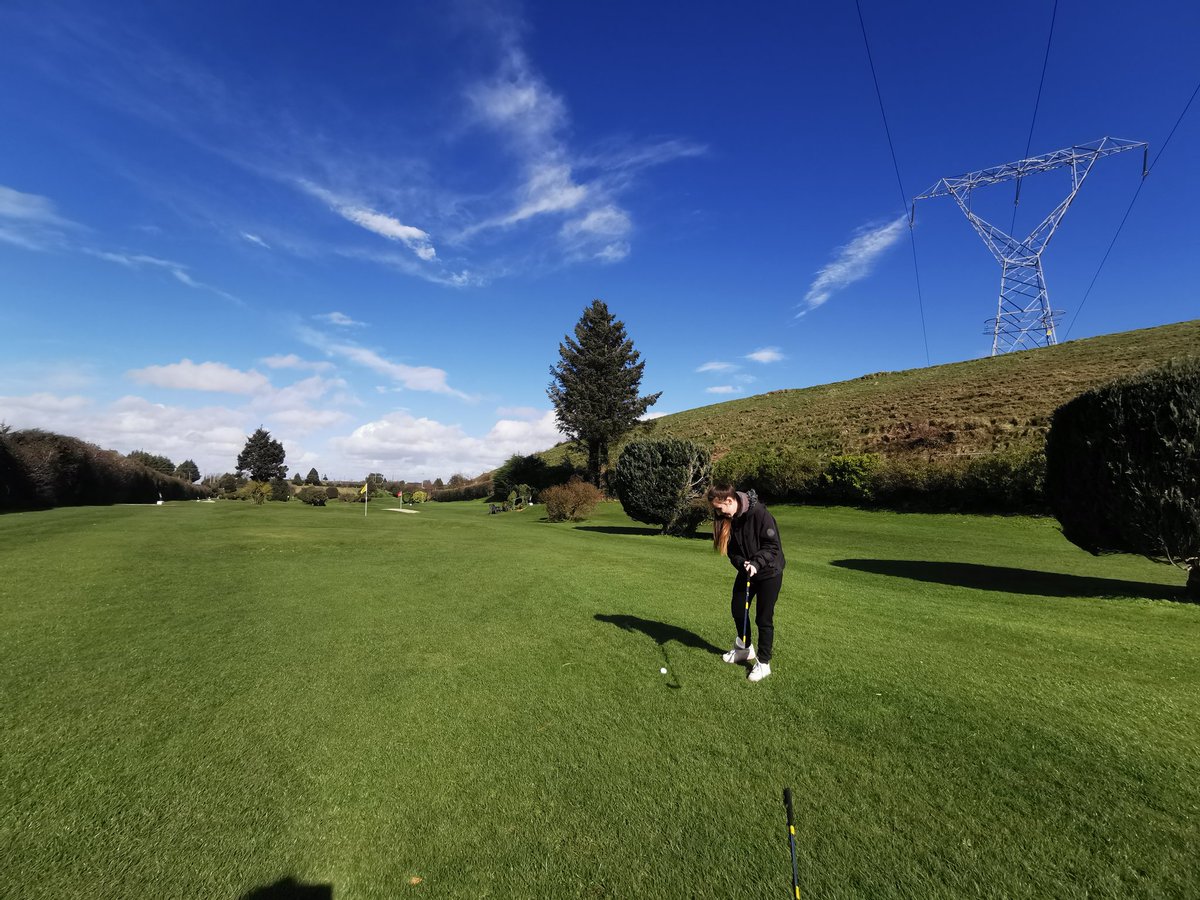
(202, 699)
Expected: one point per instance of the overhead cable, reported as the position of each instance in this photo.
(899, 182)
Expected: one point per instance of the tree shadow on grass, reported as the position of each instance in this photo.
(290, 889)
(1013, 581)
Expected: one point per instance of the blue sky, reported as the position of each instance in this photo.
(367, 226)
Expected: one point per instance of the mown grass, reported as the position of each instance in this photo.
(199, 700)
(977, 406)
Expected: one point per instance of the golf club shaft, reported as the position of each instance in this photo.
(787, 802)
(746, 615)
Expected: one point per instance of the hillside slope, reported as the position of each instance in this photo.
(963, 408)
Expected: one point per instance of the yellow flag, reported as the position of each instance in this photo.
(363, 489)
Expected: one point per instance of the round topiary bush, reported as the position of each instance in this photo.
(662, 482)
(1123, 468)
(313, 496)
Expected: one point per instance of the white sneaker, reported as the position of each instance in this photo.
(760, 671)
(739, 653)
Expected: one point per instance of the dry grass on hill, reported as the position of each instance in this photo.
(978, 406)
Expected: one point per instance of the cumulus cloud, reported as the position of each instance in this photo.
(420, 447)
(186, 375)
(766, 355)
(211, 436)
(853, 262)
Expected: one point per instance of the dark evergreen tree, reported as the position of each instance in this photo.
(312, 477)
(661, 482)
(280, 489)
(262, 457)
(297, 480)
(155, 462)
(1123, 468)
(595, 385)
(188, 471)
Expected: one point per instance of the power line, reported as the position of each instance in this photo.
(1141, 183)
(1036, 104)
(899, 182)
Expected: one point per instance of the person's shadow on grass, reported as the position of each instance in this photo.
(290, 889)
(1011, 580)
(662, 634)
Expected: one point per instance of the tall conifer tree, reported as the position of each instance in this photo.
(595, 385)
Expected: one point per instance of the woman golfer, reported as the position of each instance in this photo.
(746, 532)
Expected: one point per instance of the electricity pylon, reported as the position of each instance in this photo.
(1024, 317)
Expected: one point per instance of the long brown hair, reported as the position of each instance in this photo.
(721, 523)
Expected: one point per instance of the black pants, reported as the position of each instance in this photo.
(766, 592)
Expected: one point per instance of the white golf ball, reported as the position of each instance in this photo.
(664, 671)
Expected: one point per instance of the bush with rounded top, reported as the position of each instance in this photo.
(570, 502)
(658, 482)
(312, 495)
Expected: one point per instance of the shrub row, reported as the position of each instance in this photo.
(40, 469)
(1008, 481)
(477, 491)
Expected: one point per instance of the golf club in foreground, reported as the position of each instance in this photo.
(787, 802)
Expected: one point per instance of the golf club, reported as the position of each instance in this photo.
(787, 802)
(746, 616)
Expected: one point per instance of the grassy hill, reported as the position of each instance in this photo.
(965, 408)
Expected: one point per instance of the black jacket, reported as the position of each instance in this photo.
(754, 536)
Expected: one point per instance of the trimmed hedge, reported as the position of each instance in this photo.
(40, 469)
(1124, 467)
(1005, 482)
(477, 491)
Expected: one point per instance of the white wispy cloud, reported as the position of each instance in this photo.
(717, 366)
(413, 378)
(30, 221)
(417, 240)
(853, 262)
(255, 239)
(177, 270)
(186, 375)
(341, 319)
(722, 389)
(292, 361)
(556, 180)
(33, 208)
(766, 355)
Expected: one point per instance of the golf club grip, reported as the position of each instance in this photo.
(787, 802)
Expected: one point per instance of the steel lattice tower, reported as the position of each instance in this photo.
(1024, 318)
